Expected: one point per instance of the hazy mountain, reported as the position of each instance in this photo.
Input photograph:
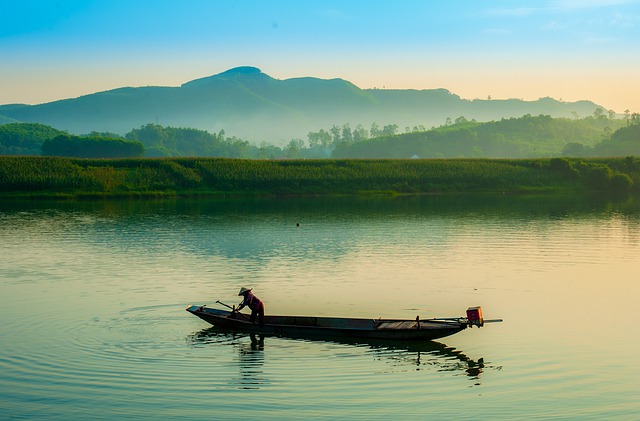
(6, 120)
(254, 106)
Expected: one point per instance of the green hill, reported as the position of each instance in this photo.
(25, 138)
(524, 137)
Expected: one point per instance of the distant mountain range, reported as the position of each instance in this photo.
(254, 106)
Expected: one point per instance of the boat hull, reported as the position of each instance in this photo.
(320, 327)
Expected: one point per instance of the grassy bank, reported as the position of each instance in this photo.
(51, 176)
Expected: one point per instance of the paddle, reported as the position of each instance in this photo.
(226, 305)
(233, 309)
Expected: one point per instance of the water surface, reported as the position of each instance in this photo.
(92, 298)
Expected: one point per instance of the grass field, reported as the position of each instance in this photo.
(72, 177)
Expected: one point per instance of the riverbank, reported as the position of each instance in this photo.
(190, 177)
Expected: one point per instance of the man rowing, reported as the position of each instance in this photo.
(253, 302)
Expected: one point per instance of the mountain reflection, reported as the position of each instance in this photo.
(398, 356)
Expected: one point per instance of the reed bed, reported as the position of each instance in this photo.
(201, 176)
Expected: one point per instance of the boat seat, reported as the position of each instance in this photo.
(393, 325)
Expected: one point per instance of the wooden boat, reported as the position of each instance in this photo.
(319, 327)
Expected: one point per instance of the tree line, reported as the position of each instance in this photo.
(601, 134)
(524, 137)
(92, 147)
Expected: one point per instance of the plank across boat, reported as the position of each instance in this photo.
(309, 326)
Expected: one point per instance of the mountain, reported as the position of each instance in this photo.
(254, 106)
(7, 120)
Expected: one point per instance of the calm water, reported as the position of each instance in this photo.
(92, 298)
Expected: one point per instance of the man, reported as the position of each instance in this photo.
(254, 303)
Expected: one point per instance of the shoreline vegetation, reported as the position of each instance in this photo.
(59, 177)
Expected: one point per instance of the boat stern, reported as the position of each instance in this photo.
(474, 316)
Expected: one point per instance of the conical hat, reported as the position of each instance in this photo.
(244, 290)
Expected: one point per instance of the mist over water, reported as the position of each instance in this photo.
(92, 299)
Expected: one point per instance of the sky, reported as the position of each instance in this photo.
(565, 49)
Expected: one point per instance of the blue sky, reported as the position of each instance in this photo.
(566, 49)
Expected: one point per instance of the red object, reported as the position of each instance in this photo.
(474, 315)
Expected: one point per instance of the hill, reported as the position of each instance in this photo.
(523, 137)
(251, 105)
(25, 138)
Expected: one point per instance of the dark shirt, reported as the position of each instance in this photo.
(250, 300)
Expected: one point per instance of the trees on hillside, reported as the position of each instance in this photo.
(523, 137)
(92, 147)
(24, 138)
(172, 141)
(623, 142)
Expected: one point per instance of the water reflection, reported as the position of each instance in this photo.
(115, 277)
(249, 355)
(251, 362)
(337, 224)
(397, 356)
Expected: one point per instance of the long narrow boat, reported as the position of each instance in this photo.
(318, 327)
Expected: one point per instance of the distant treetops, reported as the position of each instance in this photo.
(525, 137)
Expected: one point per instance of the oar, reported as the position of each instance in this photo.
(226, 305)
(233, 309)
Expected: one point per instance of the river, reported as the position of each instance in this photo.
(93, 326)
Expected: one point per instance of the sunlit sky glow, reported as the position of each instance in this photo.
(566, 49)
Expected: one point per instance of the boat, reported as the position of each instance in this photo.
(320, 327)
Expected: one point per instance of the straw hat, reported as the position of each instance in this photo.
(244, 290)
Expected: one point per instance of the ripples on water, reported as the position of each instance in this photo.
(395, 355)
(139, 362)
(92, 298)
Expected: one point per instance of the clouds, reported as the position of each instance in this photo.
(557, 7)
(572, 5)
(585, 27)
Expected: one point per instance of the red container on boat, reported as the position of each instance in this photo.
(474, 315)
